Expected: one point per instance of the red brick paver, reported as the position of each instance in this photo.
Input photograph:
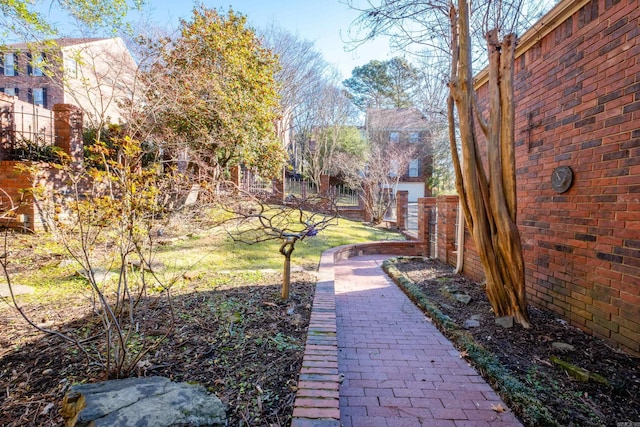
(399, 370)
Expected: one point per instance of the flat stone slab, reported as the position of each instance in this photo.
(506, 322)
(17, 290)
(562, 346)
(463, 298)
(150, 401)
(471, 323)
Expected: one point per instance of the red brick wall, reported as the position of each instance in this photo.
(447, 208)
(578, 105)
(402, 203)
(16, 185)
(12, 183)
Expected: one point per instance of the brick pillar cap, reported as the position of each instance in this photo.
(448, 198)
(65, 107)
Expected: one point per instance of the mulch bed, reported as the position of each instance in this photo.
(527, 353)
(240, 341)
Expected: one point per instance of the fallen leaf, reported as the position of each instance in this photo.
(498, 408)
(47, 408)
(464, 354)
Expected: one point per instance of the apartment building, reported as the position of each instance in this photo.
(93, 74)
(409, 128)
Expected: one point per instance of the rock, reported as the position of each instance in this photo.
(471, 323)
(464, 299)
(100, 275)
(17, 290)
(563, 347)
(447, 306)
(150, 401)
(154, 266)
(506, 322)
(68, 262)
(191, 275)
(450, 289)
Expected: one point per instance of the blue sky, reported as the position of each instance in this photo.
(324, 22)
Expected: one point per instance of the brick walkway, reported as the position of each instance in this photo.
(399, 370)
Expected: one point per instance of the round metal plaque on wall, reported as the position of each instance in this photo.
(561, 179)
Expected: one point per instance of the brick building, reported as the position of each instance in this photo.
(406, 126)
(93, 74)
(577, 92)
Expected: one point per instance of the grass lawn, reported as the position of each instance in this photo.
(41, 263)
(230, 331)
(214, 251)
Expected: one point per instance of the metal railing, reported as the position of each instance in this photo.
(433, 231)
(412, 216)
(345, 196)
(254, 184)
(299, 188)
(28, 133)
(455, 234)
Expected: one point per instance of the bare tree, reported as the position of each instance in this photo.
(104, 217)
(301, 67)
(487, 190)
(431, 99)
(256, 221)
(333, 113)
(377, 174)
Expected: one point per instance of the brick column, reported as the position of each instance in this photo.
(68, 131)
(278, 188)
(424, 204)
(447, 212)
(324, 185)
(235, 175)
(402, 203)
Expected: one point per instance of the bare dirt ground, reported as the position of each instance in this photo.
(240, 341)
(528, 354)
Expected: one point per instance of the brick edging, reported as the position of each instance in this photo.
(317, 401)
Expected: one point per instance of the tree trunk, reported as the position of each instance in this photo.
(286, 280)
(286, 249)
(488, 199)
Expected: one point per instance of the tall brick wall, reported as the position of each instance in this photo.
(577, 94)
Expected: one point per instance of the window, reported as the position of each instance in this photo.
(71, 67)
(39, 96)
(10, 60)
(11, 91)
(38, 65)
(394, 137)
(414, 137)
(414, 168)
(393, 168)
